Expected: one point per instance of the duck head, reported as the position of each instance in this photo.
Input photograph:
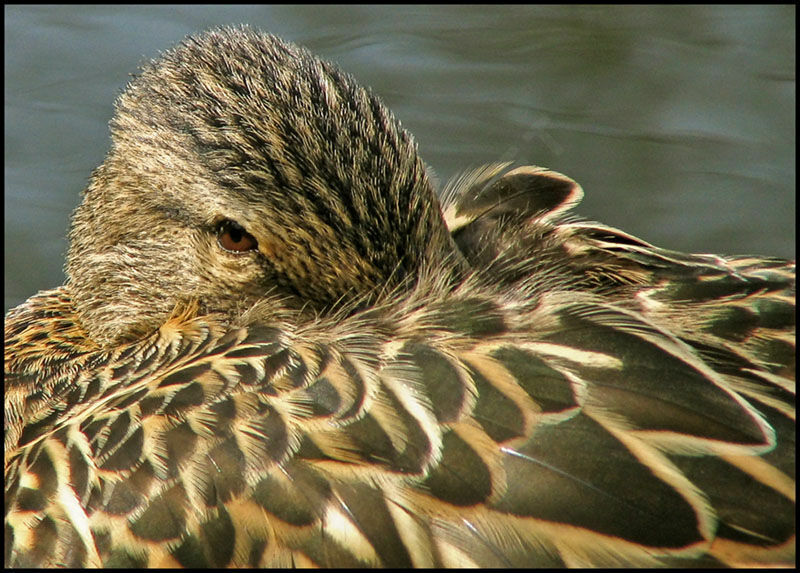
(242, 165)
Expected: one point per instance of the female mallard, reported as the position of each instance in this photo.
(274, 348)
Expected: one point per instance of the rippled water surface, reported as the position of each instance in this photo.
(679, 122)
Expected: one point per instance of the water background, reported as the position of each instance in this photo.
(678, 121)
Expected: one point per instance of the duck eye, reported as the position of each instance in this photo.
(232, 237)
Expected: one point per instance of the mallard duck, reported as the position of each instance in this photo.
(277, 346)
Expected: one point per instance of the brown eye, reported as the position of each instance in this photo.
(232, 237)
